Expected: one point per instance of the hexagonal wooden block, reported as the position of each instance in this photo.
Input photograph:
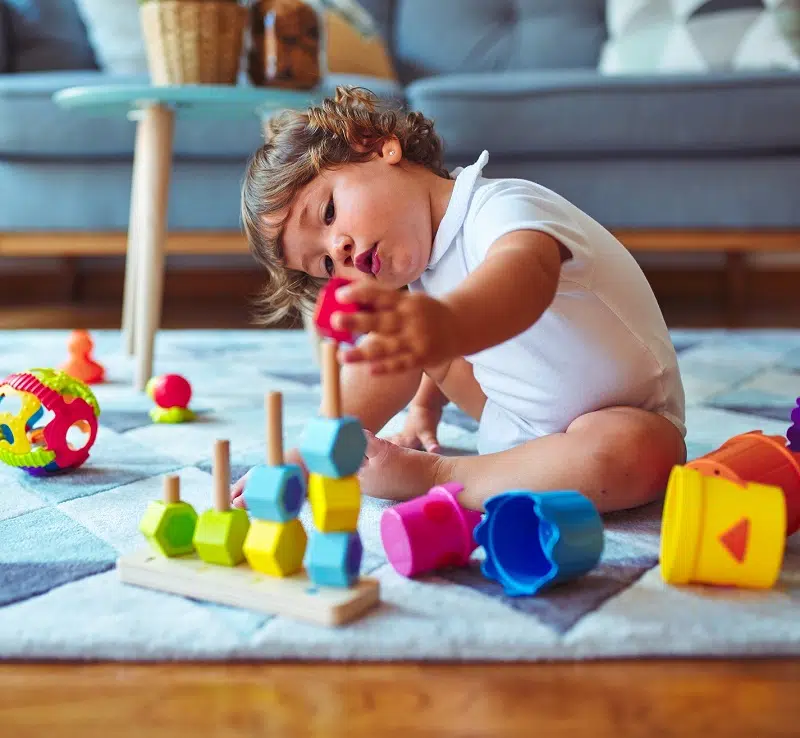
(219, 536)
(334, 559)
(327, 305)
(335, 503)
(275, 492)
(333, 447)
(274, 548)
(169, 527)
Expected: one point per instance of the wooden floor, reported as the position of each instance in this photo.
(598, 700)
(752, 699)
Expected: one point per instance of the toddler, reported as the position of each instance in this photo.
(520, 309)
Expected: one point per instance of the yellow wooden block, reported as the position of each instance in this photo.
(275, 548)
(335, 503)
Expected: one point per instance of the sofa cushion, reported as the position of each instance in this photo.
(32, 126)
(47, 34)
(651, 36)
(433, 38)
(583, 113)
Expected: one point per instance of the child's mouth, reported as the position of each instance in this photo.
(369, 262)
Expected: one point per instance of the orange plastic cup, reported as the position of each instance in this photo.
(755, 457)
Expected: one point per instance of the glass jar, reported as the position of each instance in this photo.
(286, 44)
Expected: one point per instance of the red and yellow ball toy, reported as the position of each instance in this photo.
(48, 421)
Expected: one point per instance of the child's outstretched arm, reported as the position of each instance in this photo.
(376, 400)
(507, 294)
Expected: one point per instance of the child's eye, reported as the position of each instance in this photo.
(328, 266)
(330, 212)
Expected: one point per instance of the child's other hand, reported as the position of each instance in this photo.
(405, 330)
(419, 430)
(292, 456)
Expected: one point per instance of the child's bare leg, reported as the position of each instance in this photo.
(618, 457)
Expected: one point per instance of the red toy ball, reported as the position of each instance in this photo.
(170, 390)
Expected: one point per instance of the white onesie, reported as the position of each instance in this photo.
(603, 340)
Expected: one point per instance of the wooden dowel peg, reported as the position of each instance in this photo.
(222, 475)
(274, 402)
(172, 489)
(331, 388)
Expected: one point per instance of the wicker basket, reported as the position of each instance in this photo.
(193, 41)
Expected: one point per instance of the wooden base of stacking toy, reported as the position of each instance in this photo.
(296, 596)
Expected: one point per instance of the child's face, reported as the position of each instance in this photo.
(370, 220)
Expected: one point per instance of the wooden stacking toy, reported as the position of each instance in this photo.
(220, 532)
(169, 524)
(333, 450)
(257, 563)
(274, 495)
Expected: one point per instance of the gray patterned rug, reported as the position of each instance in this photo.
(60, 537)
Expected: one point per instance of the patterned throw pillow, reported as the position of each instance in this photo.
(652, 36)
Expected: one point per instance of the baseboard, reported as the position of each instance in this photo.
(704, 287)
(58, 244)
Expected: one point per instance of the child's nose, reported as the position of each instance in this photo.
(343, 250)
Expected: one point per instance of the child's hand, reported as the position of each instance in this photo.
(406, 330)
(419, 430)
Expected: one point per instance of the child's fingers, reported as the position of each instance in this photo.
(238, 487)
(374, 348)
(429, 442)
(368, 292)
(384, 321)
(392, 365)
(405, 441)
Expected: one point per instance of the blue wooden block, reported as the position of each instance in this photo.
(275, 492)
(334, 559)
(333, 447)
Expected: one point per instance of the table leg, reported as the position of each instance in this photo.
(151, 229)
(131, 275)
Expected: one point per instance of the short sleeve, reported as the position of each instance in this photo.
(501, 207)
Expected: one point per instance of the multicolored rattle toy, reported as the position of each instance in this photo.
(64, 404)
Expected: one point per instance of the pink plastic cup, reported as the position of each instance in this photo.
(429, 532)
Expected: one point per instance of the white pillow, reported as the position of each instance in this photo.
(115, 33)
(652, 36)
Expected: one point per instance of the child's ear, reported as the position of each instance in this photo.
(392, 151)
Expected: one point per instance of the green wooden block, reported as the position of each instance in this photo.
(169, 527)
(219, 536)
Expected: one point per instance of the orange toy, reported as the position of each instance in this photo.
(755, 457)
(81, 365)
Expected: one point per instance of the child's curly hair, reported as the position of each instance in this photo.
(350, 127)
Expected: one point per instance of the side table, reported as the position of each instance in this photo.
(154, 109)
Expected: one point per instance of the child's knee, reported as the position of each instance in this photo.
(630, 449)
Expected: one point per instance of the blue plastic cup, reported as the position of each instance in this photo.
(536, 540)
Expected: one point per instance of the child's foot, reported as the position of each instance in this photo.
(391, 472)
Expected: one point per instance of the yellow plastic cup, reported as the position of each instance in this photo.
(715, 531)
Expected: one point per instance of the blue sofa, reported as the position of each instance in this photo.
(683, 162)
